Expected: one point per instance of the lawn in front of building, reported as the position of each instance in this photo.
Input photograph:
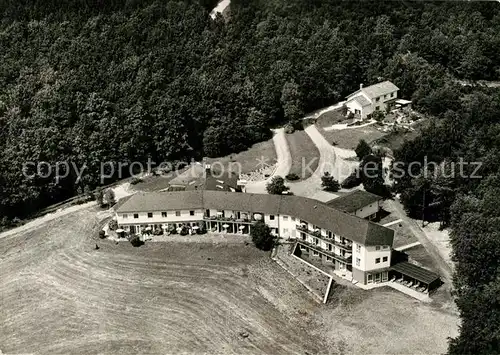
(350, 137)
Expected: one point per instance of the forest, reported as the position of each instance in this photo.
(90, 81)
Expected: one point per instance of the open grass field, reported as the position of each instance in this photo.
(304, 153)
(60, 296)
(248, 159)
(349, 138)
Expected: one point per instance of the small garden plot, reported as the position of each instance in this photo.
(304, 154)
(316, 281)
(349, 138)
(249, 160)
(395, 140)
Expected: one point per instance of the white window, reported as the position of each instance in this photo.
(150, 214)
(285, 218)
(178, 213)
(125, 216)
(316, 241)
(285, 230)
(385, 276)
(330, 235)
(358, 248)
(377, 107)
(385, 247)
(191, 213)
(377, 247)
(369, 278)
(271, 217)
(329, 247)
(377, 261)
(384, 259)
(328, 258)
(315, 252)
(392, 94)
(358, 261)
(136, 215)
(164, 214)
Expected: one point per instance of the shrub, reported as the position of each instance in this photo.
(113, 225)
(289, 129)
(136, 241)
(99, 197)
(102, 234)
(328, 183)
(183, 231)
(136, 180)
(261, 236)
(351, 181)
(378, 116)
(110, 197)
(292, 177)
(276, 186)
(363, 149)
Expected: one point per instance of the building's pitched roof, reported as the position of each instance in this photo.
(415, 272)
(376, 90)
(163, 201)
(360, 99)
(353, 201)
(312, 211)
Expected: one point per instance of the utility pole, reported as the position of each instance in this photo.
(423, 209)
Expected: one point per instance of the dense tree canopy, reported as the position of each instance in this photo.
(88, 81)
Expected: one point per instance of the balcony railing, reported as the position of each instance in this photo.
(347, 260)
(308, 231)
(345, 246)
(228, 219)
(317, 234)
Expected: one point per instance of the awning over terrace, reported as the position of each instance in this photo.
(417, 273)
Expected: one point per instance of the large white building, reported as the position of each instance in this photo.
(354, 246)
(366, 100)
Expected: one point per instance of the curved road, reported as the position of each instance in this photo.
(330, 160)
(284, 163)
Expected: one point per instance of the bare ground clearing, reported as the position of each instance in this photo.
(59, 295)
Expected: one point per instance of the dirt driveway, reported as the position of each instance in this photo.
(284, 163)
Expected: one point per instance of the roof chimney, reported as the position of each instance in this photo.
(360, 86)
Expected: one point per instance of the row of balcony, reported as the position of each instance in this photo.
(229, 219)
(344, 259)
(317, 234)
